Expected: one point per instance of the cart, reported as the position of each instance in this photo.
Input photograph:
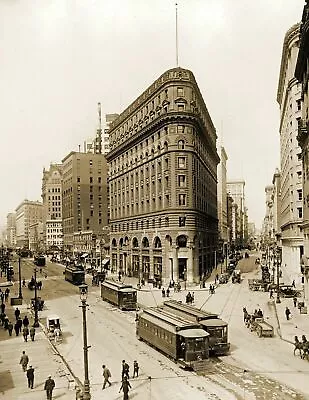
(261, 327)
(52, 324)
(40, 303)
(256, 284)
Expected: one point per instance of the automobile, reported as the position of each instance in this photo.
(288, 291)
(224, 278)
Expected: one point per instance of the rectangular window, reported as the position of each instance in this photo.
(298, 102)
(181, 162)
(181, 180)
(300, 194)
(300, 212)
(179, 91)
(182, 221)
(91, 179)
(181, 107)
(182, 199)
(99, 179)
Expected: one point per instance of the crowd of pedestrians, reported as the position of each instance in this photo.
(49, 383)
(125, 376)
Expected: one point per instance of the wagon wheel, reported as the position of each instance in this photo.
(259, 332)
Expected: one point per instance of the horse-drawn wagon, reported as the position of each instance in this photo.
(260, 326)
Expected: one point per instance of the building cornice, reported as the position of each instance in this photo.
(291, 35)
(304, 43)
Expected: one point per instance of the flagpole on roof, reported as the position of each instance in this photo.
(177, 56)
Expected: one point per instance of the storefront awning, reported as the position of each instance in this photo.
(84, 255)
(105, 262)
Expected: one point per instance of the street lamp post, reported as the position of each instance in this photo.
(20, 296)
(36, 317)
(278, 280)
(83, 290)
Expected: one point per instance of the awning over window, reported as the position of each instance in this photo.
(84, 255)
(105, 262)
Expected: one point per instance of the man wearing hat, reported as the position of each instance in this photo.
(49, 387)
(30, 376)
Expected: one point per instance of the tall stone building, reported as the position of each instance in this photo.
(11, 230)
(289, 99)
(302, 73)
(236, 189)
(52, 206)
(84, 198)
(163, 183)
(27, 213)
(222, 202)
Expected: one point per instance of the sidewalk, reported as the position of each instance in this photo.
(43, 358)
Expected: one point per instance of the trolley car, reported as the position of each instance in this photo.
(123, 296)
(74, 274)
(182, 340)
(211, 323)
(39, 260)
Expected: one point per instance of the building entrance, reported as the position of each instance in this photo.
(182, 268)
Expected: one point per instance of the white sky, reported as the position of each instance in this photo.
(60, 57)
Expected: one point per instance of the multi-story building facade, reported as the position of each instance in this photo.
(268, 232)
(27, 213)
(11, 230)
(37, 237)
(289, 99)
(52, 206)
(302, 73)
(84, 195)
(163, 183)
(222, 202)
(109, 118)
(236, 189)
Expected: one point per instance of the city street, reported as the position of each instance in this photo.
(257, 368)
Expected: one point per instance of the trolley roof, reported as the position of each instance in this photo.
(191, 311)
(166, 320)
(213, 322)
(193, 333)
(118, 286)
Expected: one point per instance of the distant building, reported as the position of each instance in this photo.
(236, 189)
(11, 230)
(84, 196)
(27, 214)
(163, 183)
(52, 206)
(301, 73)
(291, 193)
(222, 201)
(109, 118)
(268, 224)
(37, 237)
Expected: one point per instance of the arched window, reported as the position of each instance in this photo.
(157, 243)
(145, 242)
(165, 146)
(181, 144)
(114, 243)
(182, 241)
(121, 242)
(135, 243)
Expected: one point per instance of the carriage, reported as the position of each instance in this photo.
(39, 302)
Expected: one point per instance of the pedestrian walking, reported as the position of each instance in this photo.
(135, 369)
(30, 376)
(17, 313)
(6, 323)
(125, 369)
(192, 297)
(271, 294)
(106, 374)
(16, 329)
(10, 328)
(2, 306)
(32, 333)
(2, 318)
(295, 301)
(49, 387)
(24, 359)
(26, 321)
(293, 283)
(20, 323)
(25, 333)
(125, 388)
(24, 283)
(6, 294)
(163, 292)
(167, 292)
(287, 313)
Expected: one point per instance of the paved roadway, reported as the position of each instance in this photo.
(257, 368)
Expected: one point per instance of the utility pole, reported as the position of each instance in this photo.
(20, 296)
(36, 317)
(83, 296)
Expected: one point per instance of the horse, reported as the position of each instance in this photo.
(305, 348)
(298, 346)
